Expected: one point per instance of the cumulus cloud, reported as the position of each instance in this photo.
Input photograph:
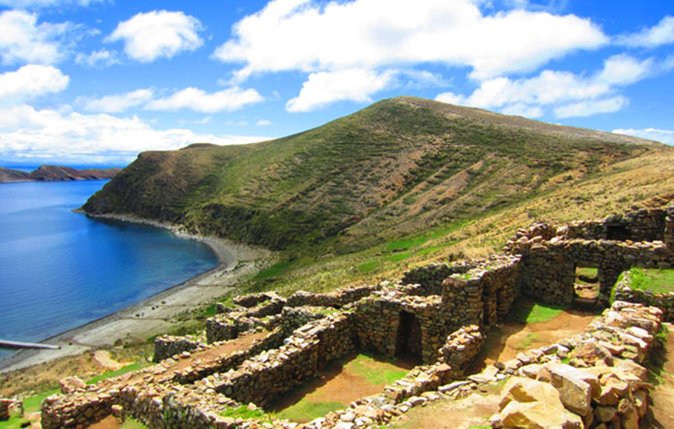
(97, 59)
(22, 39)
(158, 34)
(569, 94)
(31, 81)
(27, 132)
(201, 101)
(324, 88)
(315, 37)
(189, 98)
(660, 34)
(119, 102)
(591, 107)
(35, 4)
(660, 135)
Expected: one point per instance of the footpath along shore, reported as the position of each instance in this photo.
(151, 316)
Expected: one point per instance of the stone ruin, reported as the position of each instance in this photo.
(266, 345)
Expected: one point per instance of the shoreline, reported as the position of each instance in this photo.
(151, 315)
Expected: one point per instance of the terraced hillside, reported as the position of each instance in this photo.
(398, 167)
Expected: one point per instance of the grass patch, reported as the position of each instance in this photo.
(536, 313)
(243, 412)
(527, 341)
(653, 280)
(131, 423)
(305, 411)
(368, 267)
(374, 370)
(273, 271)
(124, 370)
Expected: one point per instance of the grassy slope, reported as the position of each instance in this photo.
(400, 183)
(397, 167)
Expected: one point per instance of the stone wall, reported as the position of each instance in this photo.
(378, 324)
(336, 299)
(664, 301)
(4, 408)
(669, 228)
(168, 345)
(483, 295)
(430, 277)
(636, 225)
(549, 267)
(461, 348)
(263, 378)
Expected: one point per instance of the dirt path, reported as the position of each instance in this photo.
(505, 342)
(662, 409)
(338, 385)
(472, 411)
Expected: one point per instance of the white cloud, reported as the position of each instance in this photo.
(591, 107)
(196, 99)
(324, 88)
(660, 135)
(97, 59)
(569, 94)
(660, 34)
(31, 81)
(158, 34)
(189, 98)
(27, 132)
(314, 37)
(119, 102)
(22, 39)
(35, 4)
(263, 123)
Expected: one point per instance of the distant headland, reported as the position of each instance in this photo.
(55, 173)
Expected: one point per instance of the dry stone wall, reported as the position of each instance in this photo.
(664, 301)
(336, 299)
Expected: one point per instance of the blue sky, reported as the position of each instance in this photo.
(97, 81)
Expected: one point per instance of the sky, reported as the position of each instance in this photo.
(98, 81)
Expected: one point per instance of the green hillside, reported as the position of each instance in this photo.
(398, 167)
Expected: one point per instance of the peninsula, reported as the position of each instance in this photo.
(55, 173)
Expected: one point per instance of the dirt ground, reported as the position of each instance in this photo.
(340, 383)
(506, 341)
(662, 398)
(472, 411)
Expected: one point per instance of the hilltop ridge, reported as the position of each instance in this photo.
(398, 166)
(54, 173)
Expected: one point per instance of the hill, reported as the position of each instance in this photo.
(399, 166)
(53, 173)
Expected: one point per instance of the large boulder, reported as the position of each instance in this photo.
(576, 387)
(538, 415)
(522, 389)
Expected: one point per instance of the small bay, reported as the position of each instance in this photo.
(60, 269)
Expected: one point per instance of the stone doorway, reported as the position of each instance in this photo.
(408, 340)
(617, 232)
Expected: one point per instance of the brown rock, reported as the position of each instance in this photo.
(575, 387)
(521, 389)
(538, 415)
(72, 384)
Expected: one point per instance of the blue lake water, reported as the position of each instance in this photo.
(60, 270)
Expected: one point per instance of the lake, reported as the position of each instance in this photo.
(60, 270)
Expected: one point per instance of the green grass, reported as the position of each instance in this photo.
(124, 370)
(527, 341)
(273, 271)
(653, 280)
(243, 412)
(131, 423)
(536, 313)
(30, 405)
(362, 366)
(305, 411)
(587, 271)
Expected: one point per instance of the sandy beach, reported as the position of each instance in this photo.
(153, 315)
